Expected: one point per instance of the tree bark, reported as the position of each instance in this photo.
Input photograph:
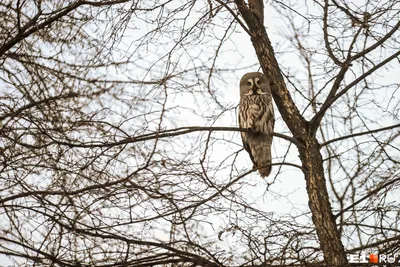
(308, 146)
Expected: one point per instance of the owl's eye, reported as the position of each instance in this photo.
(249, 83)
(257, 81)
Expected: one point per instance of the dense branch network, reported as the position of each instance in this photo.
(100, 166)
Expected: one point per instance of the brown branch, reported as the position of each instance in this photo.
(347, 12)
(326, 38)
(367, 196)
(332, 96)
(132, 185)
(167, 134)
(15, 113)
(24, 33)
(374, 245)
(359, 134)
(378, 43)
(235, 16)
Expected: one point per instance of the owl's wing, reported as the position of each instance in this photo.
(247, 148)
(270, 119)
(273, 124)
(244, 141)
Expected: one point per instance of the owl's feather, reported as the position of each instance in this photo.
(256, 114)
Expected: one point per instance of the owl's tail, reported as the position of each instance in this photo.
(263, 160)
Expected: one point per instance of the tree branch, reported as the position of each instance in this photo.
(359, 134)
(169, 133)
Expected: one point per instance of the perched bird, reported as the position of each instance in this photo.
(256, 113)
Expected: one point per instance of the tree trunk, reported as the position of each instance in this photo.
(319, 203)
(307, 143)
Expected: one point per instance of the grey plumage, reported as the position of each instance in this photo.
(256, 113)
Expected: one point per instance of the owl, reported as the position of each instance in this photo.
(256, 114)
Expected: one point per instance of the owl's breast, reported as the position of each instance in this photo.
(254, 114)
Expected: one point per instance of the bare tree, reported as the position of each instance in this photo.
(119, 144)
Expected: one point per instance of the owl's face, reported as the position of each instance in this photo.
(254, 83)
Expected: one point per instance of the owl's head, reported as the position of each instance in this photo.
(254, 83)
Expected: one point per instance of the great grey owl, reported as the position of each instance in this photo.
(256, 113)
